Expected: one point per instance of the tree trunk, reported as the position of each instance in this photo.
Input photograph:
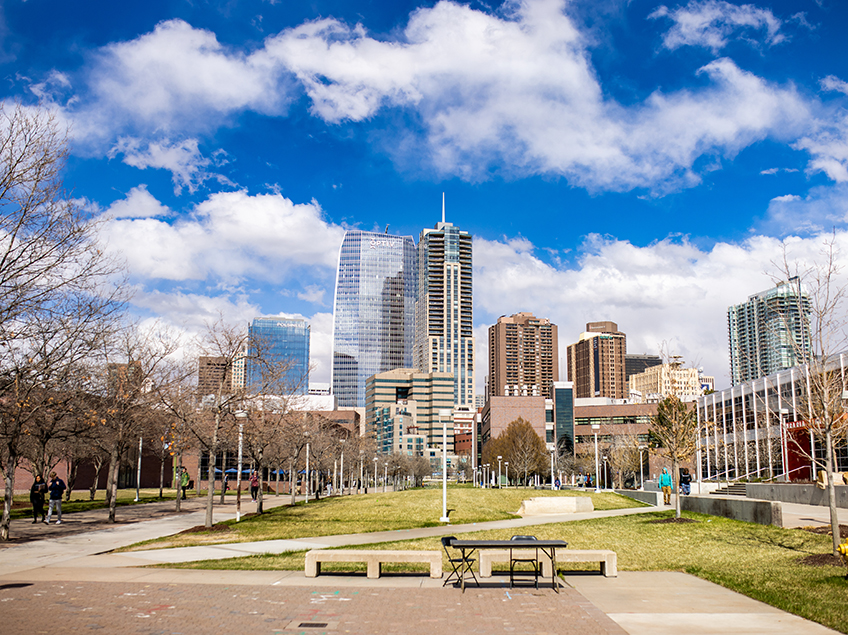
(7, 500)
(292, 480)
(179, 480)
(210, 491)
(258, 469)
(831, 492)
(98, 465)
(112, 481)
(73, 467)
(675, 478)
(223, 476)
(161, 475)
(197, 482)
(277, 492)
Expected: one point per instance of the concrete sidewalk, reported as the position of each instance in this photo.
(635, 602)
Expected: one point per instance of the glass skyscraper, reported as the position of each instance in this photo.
(278, 355)
(373, 312)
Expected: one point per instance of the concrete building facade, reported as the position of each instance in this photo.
(405, 402)
(523, 356)
(499, 412)
(596, 362)
(659, 382)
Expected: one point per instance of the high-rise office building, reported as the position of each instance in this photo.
(213, 374)
(523, 356)
(403, 407)
(444, 337)
(634, 364)
(769, 332)
(596, 362)
(374, 311)
(278, 355)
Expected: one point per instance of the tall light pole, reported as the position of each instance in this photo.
(641, 469)
(138, 472)
(443, 415)
(342, 470)
(375, 474)
(307, 471)
(385, 476)
(499, 471)
(506, 463)
(552, 469)
(241, 416)
(605, 472)
(595, 428)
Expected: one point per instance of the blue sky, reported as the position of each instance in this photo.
(640, 161)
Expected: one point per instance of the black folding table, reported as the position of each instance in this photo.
(547, 547)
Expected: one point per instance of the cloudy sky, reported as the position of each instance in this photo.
(642, 162)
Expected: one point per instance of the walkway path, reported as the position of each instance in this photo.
(80, 584)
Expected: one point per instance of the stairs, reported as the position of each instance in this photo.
(734, 489)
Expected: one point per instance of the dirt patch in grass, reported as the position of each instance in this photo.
(202, 529)
(665, 521)
(825, 530)
(821, 560)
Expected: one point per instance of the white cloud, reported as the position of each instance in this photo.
(520, 96)
(321, 347)
(179, 77)
(228, 237)
(139, 203)
(831, 82)
(312, 293)
(828, 147)
(183, 159)
(712, 23)
(820, 210)
(670, 291)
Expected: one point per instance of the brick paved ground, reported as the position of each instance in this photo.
(162, 609)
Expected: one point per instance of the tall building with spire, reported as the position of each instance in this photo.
(444, 338)
(373, 311)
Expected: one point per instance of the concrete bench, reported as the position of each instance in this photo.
(372, 558)
(607, 559)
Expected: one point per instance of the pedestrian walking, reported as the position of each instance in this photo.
(665, 485)
(57, 488)
(184, 482)
(36, 497)
(254, 485)
(685, 481)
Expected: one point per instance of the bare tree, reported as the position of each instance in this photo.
(57, 289)
(824, 394)
(675, 429)
(520, 446)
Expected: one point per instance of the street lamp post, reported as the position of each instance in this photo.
(138, 473)
(241, 416)
(385, 476)
(341, 482)
(605, 473)
(307, 472)
(506, 463)
(552, 470)
(375, 474)
(443, 415)
(595, 428)
(499, 471)
(641, 469)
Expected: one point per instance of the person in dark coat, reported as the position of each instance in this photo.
(57, 488)
(36, 497)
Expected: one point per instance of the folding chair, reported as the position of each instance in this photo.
(534, 562)
(460, 566)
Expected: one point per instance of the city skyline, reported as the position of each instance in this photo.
(634, 162)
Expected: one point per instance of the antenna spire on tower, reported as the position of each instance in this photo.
(443, 207)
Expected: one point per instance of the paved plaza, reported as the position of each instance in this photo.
(63, 579)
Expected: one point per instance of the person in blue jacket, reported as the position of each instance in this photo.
(56, 489)
(665, 485)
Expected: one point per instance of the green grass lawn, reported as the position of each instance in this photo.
(80, 502)
(377, 512)
(759, 561)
